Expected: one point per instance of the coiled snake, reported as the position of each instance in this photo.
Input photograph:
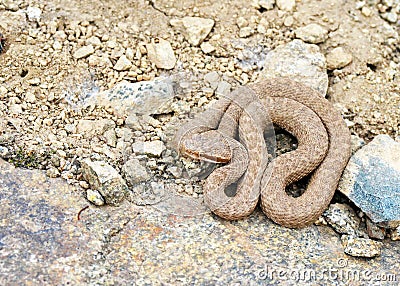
(233, 130)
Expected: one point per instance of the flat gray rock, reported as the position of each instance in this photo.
(372, 180)
(301, 62)
(145, 97)
(43, 242)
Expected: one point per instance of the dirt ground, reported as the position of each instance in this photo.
(40, 76)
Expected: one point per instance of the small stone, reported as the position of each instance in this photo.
(3, 152)
(33, 13)
(94, 197)
(106, 180)
(93, 40)
(288, 22)
(375, 231)
(83, 52)
(312, 33)
(161, 54)
(123, 64)
(371, 181)
(90, 128)
(132, 121)
(242, 22)
(175, 171)
(211, 77)
(395, 234)
(245, 32)
(223, 88)
(152, 148)
(3, 90)
(342, 218)
(110, 137)
(195, 29)
(286, 5)
(361, 247)
(390, 17)
(52, 172)
(207, 48)
(366, 11)
(338, 58)
(57, 45)
(134, 172)
(34, 81)
(266, 4)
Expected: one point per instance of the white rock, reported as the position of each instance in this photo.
(93, 40)
(286, 5)
(134, 172)
(33, 13)
(161, 54)
(312, 33)
(338, 58)
(123, 64)
(83, 52)
(207, 48)
(94, 197)
(266, 4)
(152, 148)
(90, 128)
(195, 29)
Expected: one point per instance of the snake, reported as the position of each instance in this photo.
(233, 132)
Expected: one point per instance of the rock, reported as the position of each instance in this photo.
(266, 4)
(33, 13)
(211, 77)
(94, 197)
(300, 61)
(83, 52)
(286, 5)
(195, 29)
(390, 17)
(93, 40)
(245, 32)
(161, 54)
(312, 33)
(361, 247)
(123, 64)
(395, 234)
(134, 172)
(152, 148)
(145, 97)
(342, 218)
(89, 128)
(3, 151)
(110, 138)
(175, 171)
(372, 179)
(338, 58)
(375, 231)
(132, 121)
(223, 88)
(207, 48)
(367, 12)
(106, 180)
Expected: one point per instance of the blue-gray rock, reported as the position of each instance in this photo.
(301, 62)
(372, 180)
(145, 97)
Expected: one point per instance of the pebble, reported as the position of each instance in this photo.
(33, 13)
(286, 5)
(83, 52)
(245, 32)
(207, 48)
(3, 151)
(89, 128)
(123, 64)
(390, 17)
(288, 22)
(372, 178)
(366, 11)
(134, 173)
(132, 121)
(93, 40)
(395, 234)
(211, 77)
(266, 4)
(223, 88)
(106, 180)
(195, 29)
(94, 197)
(338, 58)
(151, 148)
(300, 61)
(110, 138)
(361, 247)
(161, 54)
(342, 218)
(312, 33)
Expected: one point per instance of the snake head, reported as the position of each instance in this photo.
(211, 146)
